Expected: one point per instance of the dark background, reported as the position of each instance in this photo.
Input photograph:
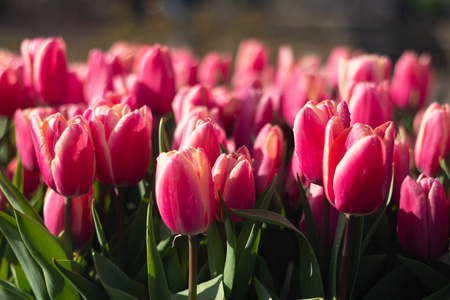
(382, 26)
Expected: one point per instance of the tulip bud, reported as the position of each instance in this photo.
(28, 50)
(50, 71)
(268, 153)
(189, 97)
(357, 166)
(184, 191)
(412, 80)
(202, 133)
(123, 144)
(433, 139)
(309, 135)
(185, 66)
(251, 60)
(99, 77)
(215, 69)
(82, 220)
(233, 177)
(315, 199)
(65, 153)
(365, 105)
(422, 222)
(332, 67)
(285, 62)
(155, 82)
(12, 92)
(24, 142)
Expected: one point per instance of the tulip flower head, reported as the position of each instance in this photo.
(422, 223)
(233, 177)
(184, 191)
(65, 153)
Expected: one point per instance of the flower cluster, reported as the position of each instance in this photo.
(222, 145)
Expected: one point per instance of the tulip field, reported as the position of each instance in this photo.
(149, 172)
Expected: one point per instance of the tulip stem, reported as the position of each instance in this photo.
(324, 234)
(120, 227)
(68, 232)
(346, 259)
(192, 267)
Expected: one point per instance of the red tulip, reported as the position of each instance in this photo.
(422, 222)
(184, 191)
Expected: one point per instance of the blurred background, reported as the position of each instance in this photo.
(383, 26)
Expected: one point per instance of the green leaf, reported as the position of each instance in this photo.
(157, 283)
(216, 256)
(86, 288)
(444, 293)
(37, 201)
(32, 270)
(9, 291)
(44, 247)
(114, 279)
(175, 278)
(334, 255)
(433, 280)
(444, 167)
(20, 278)
(379, 214)
(18, 175)
(264, 275)
(230, 260)
(262, 292)
(104, 246)
(287, 281)
(246, 265)
(163, 142)
(390, 286)
(310, 278)
(370, 268)
(17, 200)
(208, 290)
(135, 242)
(311, 232)
(223, 149)
(355, 253)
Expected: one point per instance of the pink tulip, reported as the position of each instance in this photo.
(433, 139)
(184, 191)
(123, 144)
(74, 88)
(233, 177)
(31, 179)
(357, 166)
(303, 85)
(214, 69)
(28, 50)
(82, 220)
(185, 66)
(412, 80)
(65, 153)
(99, 77)
(285, 62)
(291, 188)
(50, 71)
(268, 153)
(372, 68)
(155, 81)
(71, 110)
(309, 135)
(12, 92)
(125, 53)
(315, 199)
(189, 97)
(422, 223)
(24, 142)
(365, 105)
(401, 166)
(202, 133)
(227, 104)
(332, 67)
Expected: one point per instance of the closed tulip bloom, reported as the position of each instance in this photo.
(82, 220)
(422, 223)
(215, 69)
(12, 92)
(268, 153)
(285, 61)
(99, 77)
(155, 80)
(365, 105)
(233, 177)
(202, 133)
(24, 142)
(291, 188)
(122, 140)
(401, 166)
(65, 153)
(184, 191)
(309, 135)
(433, 139)
(412, 80)
(357, 166)
(252, 58)
(28, 50)
(185, 66)
(332, 66)
(189, 97)
(50, 71)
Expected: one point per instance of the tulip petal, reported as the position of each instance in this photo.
(42, 151)
(104, 171)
